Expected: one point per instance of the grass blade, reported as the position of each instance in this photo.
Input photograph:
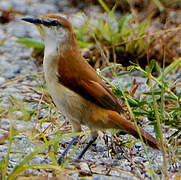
(20, 167)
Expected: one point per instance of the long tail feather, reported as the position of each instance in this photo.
(131, 129)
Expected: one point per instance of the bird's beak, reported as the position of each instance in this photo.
(35, 21)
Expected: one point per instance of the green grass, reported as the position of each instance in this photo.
(24, 164)
(153, 106)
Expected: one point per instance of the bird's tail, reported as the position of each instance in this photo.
(131, 129)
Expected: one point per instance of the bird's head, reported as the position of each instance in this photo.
(55, 30)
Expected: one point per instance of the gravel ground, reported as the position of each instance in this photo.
(21, 90)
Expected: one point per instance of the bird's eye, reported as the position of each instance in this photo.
(46, 22)
(54, 23)
(51, 23)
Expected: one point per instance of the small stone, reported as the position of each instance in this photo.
(2, 80)
(138, 160)
(138, 145)
(10, 76)
(18, 114)
(84, 167)
(115, 163)
(4, 123)
(147, 175)
(17, 70)
(3, 149)
(120, 156)
(101, 148)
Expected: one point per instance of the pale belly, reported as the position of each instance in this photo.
(73, 106)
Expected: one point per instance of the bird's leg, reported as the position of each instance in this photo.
(75, 128)
(73, 141)
(92, 140)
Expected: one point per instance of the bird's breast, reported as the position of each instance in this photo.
(67, 101)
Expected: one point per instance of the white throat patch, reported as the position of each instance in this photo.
(54, 39)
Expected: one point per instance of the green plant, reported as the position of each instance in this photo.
(24, 164)
(154, 104)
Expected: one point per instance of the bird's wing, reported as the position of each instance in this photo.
(81, 78)
(94, 91)
(101, 94)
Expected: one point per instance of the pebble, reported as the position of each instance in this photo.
(101, 148)
(3, 149)
(10, 76)
(17, 70)
(2, 80)
(120, 156)
(177, 76)
(138, 145)
(4, 123)
(138, 160)
(18, 114)
(84, 166)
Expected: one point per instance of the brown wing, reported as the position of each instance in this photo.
(101, 94)
(81, 78)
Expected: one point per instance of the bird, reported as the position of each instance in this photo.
(76, 88)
